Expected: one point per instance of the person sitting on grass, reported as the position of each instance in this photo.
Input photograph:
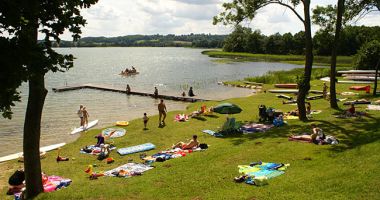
(193, 143)
(351, 111)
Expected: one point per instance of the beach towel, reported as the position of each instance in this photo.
(169, 154)
(253, 127)
(93, 150)
(128, 170)
(213, 133)
(113, 132)
(135, 149)
(291, 117)
(373, 107)
(261, 170)
(50, 184)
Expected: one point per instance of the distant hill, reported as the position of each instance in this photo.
(191, 40)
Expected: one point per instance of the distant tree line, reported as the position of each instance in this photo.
(243, 39)
(171, 40)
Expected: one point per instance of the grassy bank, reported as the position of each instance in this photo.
(290, 76)
(349, 170)
(342, 61)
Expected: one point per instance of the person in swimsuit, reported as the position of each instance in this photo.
(145, 119)
(191, 92)
(85, 116)
(155, 92)
(193, 143)
(128, 89)
(80, 115)
(325, 90)
(161, 112)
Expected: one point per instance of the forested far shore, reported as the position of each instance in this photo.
(242, 39)
(170, 40)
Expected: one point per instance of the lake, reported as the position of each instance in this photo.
(171, 70)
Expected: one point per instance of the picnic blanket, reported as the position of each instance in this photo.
(93, 150)
(113, 132)
(213, 133)
(254, 127)
(258, 171)
(169, 154)
(373, 107)
(50, 184)
(135, 149)
(128, 170)
(291, 117)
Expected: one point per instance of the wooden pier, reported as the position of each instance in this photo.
(123, 90)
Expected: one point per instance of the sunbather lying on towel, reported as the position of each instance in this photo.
(292, 113)
(316, 137)
(193, 143)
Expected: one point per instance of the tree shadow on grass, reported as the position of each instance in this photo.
(200, 118)
(212, 116)
(361, 131)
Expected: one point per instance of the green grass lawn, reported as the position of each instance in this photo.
(349, 170)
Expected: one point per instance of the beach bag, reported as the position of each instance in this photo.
(17, 178)
(102, 156)
(203, 146)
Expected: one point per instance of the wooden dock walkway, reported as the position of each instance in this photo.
(123, 90)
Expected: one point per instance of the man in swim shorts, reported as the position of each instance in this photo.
(161, 112)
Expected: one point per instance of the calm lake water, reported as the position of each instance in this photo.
(171, 70)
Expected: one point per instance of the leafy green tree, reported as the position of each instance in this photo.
(255, 42)
(236, 41)
(288, 43)
(368, 56)
(331, 19)
(299, 43)
(26, 59)
(238, 11)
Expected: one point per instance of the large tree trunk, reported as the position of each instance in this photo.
(375, 85)
(304, 83)
(338, 27)
(32, 132)
(36, 99)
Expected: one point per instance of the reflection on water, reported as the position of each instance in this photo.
(171, 70)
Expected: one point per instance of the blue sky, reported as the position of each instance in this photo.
(125, 17)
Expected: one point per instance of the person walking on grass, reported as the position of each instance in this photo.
(161, 112)
(145, 119)
(325, 90)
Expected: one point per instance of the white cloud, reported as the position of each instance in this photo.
(124, 17)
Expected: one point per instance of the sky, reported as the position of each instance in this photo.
(112, 18)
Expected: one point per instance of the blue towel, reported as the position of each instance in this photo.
(135, 149)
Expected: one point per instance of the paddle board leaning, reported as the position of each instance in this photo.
(42, 149)
(80, 129)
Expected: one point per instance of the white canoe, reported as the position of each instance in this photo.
(42, 149)
(80, 129)
(357, 72)
(348, 82)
